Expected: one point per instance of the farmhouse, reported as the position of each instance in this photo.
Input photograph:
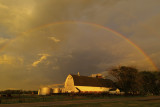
(85, 84)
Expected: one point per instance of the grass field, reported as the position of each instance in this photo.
(83, 101)
(116, 104)
(35, 98)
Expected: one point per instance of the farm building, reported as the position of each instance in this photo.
(85, 84)
(45, 91)
(114, 91)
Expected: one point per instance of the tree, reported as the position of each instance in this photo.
(151, 82)
(125, 78)
(157, 74)
(148, 82)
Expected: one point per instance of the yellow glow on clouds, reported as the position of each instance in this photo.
(3, 40)
(16, 17)
(3, 6)
(43, 57)
(7, 59)
(55, 39)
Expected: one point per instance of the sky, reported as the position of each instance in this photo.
(42, 41)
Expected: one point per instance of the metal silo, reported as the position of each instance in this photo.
(56, 90)
(45, 91)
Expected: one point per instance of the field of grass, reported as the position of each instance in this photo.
(110, 101)
(35, 98)
(116, 104)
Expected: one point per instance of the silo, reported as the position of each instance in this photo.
(63, 90)
(45, 91)
(56, 90)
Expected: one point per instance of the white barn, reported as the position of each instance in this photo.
(85, 84)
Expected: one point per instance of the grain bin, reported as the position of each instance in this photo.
(45, 91)
(56, 90)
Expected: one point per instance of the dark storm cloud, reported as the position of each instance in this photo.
(58, 50)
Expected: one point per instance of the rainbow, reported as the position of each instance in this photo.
(101, 27)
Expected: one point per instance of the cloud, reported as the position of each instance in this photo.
(3, 6)
(12, 60)
(5, 59)
(15, 16)
(43, 57)
(73, 48)
(54, 39)
(3, 40)
(56, 68)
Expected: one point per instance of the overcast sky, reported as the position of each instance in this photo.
(33, 54)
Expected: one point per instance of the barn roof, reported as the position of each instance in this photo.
(91, 81)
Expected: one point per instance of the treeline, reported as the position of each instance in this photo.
(7, 92)
(132, 81)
